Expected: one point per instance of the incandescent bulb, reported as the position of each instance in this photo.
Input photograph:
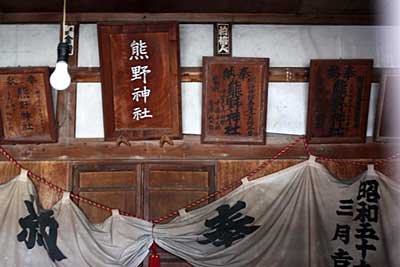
(60, 78)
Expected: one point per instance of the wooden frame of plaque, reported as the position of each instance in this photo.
(338, 100)
(387, 121)
(26, 106)
(140, 81)
(234, 100)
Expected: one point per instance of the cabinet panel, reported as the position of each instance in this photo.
(117, 186)
(123, 200)
(108, 179)
(169, 187)
(193, 179)
(164, 202)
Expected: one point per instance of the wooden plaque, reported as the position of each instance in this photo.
(338, 100)
(387, 123)
(26, 106)
(234, 100)
(223, 39)
(140, 82)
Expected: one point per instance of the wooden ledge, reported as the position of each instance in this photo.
(190, 149)
(195, 74)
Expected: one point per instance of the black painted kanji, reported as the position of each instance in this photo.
(342, 233)
(42, 229)
(228, 226)
(341, 258)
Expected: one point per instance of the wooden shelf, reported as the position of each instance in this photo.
(194, 74)
(190, 149)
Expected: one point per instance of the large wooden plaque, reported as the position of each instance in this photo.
(140, 82)
(387, 123)
(338, 100)
(26, 106)
(234, 100)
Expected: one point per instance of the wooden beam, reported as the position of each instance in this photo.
(85, 75)
(66, 101)
(194, 74)
(190, 149)
(262, 18)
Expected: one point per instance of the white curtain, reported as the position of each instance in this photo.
(300, 216)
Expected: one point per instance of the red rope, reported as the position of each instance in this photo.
(51, 185)
(230, 186)
(200, 201)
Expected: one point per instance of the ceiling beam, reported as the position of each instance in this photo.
(245, 18)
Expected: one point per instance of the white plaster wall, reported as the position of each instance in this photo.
(88, 55)
(89, 108)
(35, 45)
(28, 45)
(191, 108)
(294, 46)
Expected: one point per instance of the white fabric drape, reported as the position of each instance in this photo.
(119, 241)
(297, 212)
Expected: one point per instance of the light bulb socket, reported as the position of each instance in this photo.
(63, 52)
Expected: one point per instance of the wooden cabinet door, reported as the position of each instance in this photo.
(114, 185)
(169, 187)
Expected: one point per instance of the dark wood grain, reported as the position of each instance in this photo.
(195, 74)
(234, 100)
(190, 149)
(56, 172)
(258, 18)
(163, 105)
(338, 100)
(118, 186)
(66, 99)
(26, 106)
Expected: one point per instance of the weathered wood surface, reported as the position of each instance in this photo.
(26, 106)
(55, 172)
(190, 148)
(234, 106)
(338, 100)
(230, 171)
(259, 18)
(141, 92)
(195, 74)
(66, 100)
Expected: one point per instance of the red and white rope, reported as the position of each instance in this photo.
(202, 200)
(230, 186)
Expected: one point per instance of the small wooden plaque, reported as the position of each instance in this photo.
(234, 100)
(223, 39)
(26, 106)
(140, 81)
(387, 123)
(338, 100)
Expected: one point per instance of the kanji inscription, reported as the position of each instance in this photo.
(234, 100)
(26, 106)
(40, 229)
(141, 88)
(338, 101)
(229, 225)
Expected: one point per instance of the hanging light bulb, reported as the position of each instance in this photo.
(60, 78)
